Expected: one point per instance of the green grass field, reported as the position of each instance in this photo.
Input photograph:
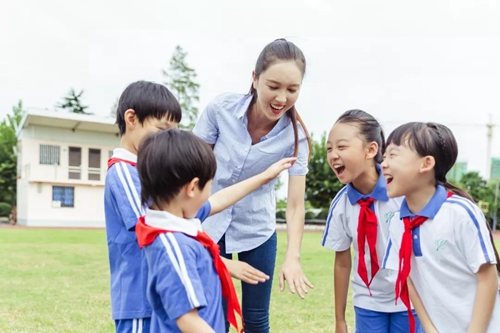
(58, 281)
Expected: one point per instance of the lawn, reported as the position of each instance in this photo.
(57, 281)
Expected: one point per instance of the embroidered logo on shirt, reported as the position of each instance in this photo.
(388, 216)
(441, 244)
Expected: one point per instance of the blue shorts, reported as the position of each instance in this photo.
(140, 325)
(368, 321)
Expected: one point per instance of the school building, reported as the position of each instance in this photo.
(61, 166)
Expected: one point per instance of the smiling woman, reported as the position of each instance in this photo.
(248, 134)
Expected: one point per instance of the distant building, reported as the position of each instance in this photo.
(495, 169)
(457, 171)
(62, 159)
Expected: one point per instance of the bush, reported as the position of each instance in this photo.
(310, 215)
(280, 214)
(323, 215)
(5, 209)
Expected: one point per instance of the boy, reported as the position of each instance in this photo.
(186, 274)
(143, 108)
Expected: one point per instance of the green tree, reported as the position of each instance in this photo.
(479, 189)
(8, 155)
(181, 80)
(321, 185)
(72, 102)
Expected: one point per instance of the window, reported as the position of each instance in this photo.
(75, 162)
(64, 196)
(94, 164)
(49, 155)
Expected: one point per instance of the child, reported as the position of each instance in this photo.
(453, 280)
(359, 214)
(186, 274)
(143, 108)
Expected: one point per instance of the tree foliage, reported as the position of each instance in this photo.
(181, 80)
(73, 103)
(8, 154)
(321, 185)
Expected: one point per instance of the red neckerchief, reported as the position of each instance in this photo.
(146, 235)
(114, 160)
(367, 231)
(405, 263)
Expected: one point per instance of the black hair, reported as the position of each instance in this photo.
(168, 160)
(438, 141)
(147, 99)
(277, 51)
(369, 129)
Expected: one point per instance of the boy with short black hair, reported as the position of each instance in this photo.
(143, 108)
(187, 277)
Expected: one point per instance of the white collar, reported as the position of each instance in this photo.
(167, 221)
(124, 154)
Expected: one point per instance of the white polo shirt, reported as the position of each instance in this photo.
(448, 249)
(341, 231)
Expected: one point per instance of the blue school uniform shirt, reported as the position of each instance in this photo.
(182, 275)
(128, 269)
(251, 221)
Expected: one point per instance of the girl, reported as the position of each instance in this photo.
(247, 133)
(359, 214)
(453, 278)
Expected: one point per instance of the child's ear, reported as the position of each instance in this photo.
(191, 187)
(371, 150)
(428, 164)
(130, 118)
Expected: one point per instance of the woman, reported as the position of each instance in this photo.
(248, 133)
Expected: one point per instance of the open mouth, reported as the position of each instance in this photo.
(276, 109)
(339, 169)
(388, 178)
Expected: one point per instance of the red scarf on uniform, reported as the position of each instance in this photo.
(147, 234)
(114, 160)
(405, 263)
(367, 231)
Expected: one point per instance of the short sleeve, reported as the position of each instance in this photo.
(125, 188)
(300, 167)
(391, 255)
(206, 127)
(335, 235)
(204, 211)
(474, 238)
(176, 277)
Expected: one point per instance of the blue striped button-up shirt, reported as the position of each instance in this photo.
(251, 221)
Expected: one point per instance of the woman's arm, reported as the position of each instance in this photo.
(295, 212)
(486, 294)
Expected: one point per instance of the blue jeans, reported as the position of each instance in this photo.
(368, 321)
(256, 298)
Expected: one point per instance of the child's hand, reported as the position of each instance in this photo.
(242, 271)
(274, 170)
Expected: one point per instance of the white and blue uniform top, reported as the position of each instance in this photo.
(182, 275)
(341, 231)
(448, 250)
(252, 221)
(122, 208)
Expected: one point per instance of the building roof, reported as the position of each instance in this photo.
(64, 119)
